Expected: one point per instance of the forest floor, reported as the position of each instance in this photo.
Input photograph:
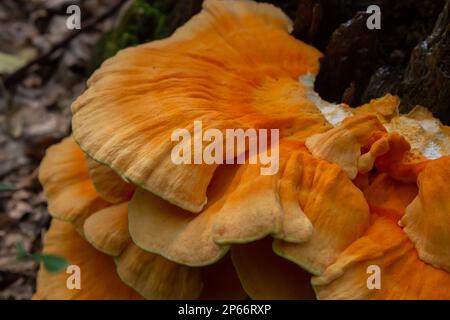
(410, 51)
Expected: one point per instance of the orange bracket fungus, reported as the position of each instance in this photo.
(354, 187)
